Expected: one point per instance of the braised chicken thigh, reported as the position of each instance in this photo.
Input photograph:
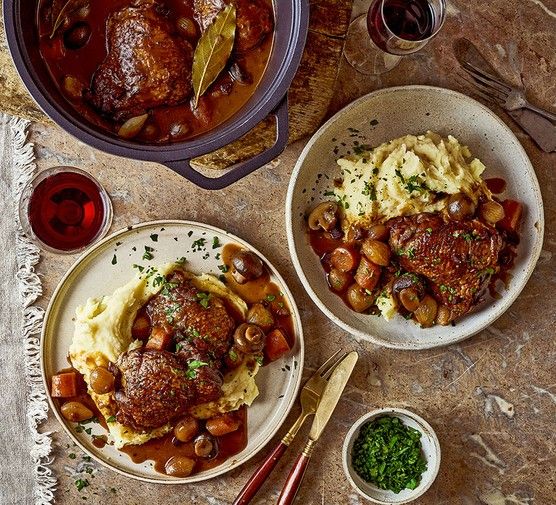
(147, 64)
(456, 258)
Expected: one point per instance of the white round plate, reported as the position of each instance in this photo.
(384, 115)
(109, 265)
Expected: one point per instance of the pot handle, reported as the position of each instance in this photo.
(243, 168)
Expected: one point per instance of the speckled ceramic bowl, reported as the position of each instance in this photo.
(384, 115)
(430, 449)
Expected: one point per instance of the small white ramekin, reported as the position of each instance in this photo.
(431, 452)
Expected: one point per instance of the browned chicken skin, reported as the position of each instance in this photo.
(157, 386)
(457, 258)
(154, 388)
(254, 20)
(147, 64)
(198, 322)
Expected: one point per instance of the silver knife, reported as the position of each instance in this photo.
(328, 402)
(540, 129)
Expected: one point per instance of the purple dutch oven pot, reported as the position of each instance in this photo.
(270, 97)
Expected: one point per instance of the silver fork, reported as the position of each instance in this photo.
(310, 398)
(507, 96)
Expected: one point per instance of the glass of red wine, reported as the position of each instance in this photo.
(376, 41)
(64, 210)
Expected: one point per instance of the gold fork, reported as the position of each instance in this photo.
(310, 398)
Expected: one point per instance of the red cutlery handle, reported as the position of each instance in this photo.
(289, 491)
(257, 479)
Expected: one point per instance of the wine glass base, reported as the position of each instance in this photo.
(361, 52)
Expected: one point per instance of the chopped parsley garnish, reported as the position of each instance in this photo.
(410, 253)
(81, 483)
(270, 298)
(388, 454)
(170, 312)
(488, 271)
(370, 191)
(198, 244)
(233, 355)
(192, 367)
(158, 280)
(154, 237)
(148, 254)
(259, 360)
(114, 260)
(111, 419)
(223, 268)
(413, 183)
(203, 299)
(216, 243)
(168, 286)
(72, 455)
(139, 267)
(361, 149)
(181, 261)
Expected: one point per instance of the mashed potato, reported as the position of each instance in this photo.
(103, 332)
(405, 176)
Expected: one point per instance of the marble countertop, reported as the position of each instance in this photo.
(491, 399)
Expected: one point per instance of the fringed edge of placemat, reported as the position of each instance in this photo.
(30, 288)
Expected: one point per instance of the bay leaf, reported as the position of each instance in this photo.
(213, 51)
(64, 10)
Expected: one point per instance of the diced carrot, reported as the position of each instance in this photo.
(344, 258)
(141, 328)
(512, 216)
(159, 340)
(64, 385)
(276, 344)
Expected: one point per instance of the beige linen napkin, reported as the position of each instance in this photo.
(24, 474)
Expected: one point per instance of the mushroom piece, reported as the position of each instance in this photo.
(258, 314)
(410, 284)
(205, 446)
(246, 266)
(324, 216)
(239, 74)
(77, 36)
(249, 338)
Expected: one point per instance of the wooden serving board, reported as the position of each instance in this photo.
(310, 93)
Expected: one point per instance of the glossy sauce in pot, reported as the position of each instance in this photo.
(165, 124)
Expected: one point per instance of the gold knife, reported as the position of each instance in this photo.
(328, 402)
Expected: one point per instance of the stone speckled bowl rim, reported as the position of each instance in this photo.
(511, 294)
(426, 429)
(76, 268)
